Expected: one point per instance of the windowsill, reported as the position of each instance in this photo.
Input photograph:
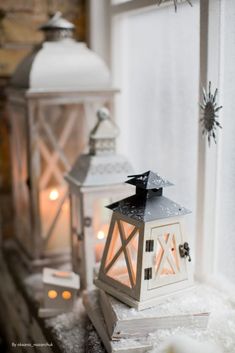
(71, 331)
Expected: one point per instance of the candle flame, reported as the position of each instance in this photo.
(54, 195)
(100, 235)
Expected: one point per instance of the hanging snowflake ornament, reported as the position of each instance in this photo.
(210, 110)
(175, 3)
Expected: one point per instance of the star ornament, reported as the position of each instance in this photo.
(159, 2)
(210, 110)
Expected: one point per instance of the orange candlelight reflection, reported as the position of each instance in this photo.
(100, 235)
(51, 208)
(100, 242)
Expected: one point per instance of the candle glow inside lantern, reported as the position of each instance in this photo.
(146, 253)
(96, 179)
(59, 291)
(52, 99)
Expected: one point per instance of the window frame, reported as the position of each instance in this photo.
(210, 70)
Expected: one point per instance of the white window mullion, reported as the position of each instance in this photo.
(210, 49)
(99, 28)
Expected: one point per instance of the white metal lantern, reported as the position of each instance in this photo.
(59, 291)
(146, 253)
(53, 96)
(95, 179)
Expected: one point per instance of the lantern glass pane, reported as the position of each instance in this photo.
(167, 268)
(101, 222)
(55, 216)
(132, 251)
(121, 262)
(115, 245)
(119, 271)
(60, 139)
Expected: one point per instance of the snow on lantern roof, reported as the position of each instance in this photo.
(61, 64)
(102, 165)
(60, 278)
(148, 180)
(148, 204)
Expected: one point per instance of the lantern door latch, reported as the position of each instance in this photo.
(184, 250)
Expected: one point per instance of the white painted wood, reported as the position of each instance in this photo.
(179, 288)
(177, 237)
(144, 292)
(122, 322)
(91, 303)
(61, 283)
(210, 49)
(76, 67)
(48, 312)
(99, 34)
(137, 5)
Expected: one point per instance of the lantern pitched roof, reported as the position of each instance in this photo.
(148, 204)
(148, 180)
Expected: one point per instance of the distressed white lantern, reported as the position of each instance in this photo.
(53, 96)
(95, 179)
(146, 253)
(59, 291)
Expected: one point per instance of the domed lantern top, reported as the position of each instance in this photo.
(61, 63)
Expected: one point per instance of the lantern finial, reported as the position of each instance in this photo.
(103, 113)
(57, 28)
(103, 135)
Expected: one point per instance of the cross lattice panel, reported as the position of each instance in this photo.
(121, 260)
(167, 266)
(62, 133)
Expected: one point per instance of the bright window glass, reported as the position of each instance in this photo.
(156, 64)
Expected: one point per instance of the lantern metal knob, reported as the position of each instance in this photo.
(184, 250)
(103, 113)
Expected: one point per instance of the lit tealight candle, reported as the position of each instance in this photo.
(54, 195)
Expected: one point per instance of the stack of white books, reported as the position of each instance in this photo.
(124, 329)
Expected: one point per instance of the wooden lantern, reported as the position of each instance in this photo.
(59, 291)
(53, 96)
(96, 178)
(146, 253)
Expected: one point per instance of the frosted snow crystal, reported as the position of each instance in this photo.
(70, 329)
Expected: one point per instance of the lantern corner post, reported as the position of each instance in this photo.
(208, 156)
(33, 113)
(87, 243)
